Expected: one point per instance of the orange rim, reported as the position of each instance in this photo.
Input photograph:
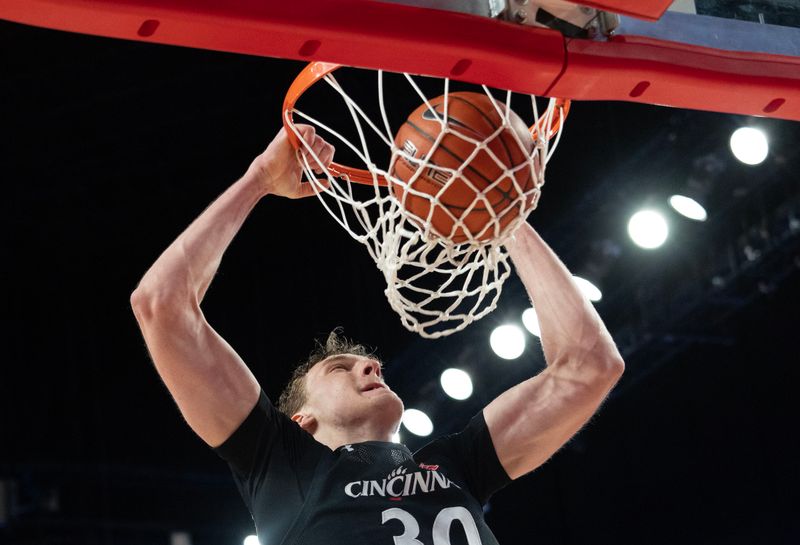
(315, 71)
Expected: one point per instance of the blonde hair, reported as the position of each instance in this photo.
(294, 395)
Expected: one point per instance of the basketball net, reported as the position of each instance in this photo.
(437, 286)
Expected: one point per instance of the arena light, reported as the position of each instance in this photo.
(417, 422)
(251, 540)
(749, 145)
(507, 341)
(688, 207)
(456, 383)
(180, 538)
(591, 291)
(648, 229)
(531, 321)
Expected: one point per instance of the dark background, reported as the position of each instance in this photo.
(111, 148)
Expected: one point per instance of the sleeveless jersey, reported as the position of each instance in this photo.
(299, 492)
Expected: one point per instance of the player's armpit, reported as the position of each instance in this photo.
(531, 421)
(212, 386)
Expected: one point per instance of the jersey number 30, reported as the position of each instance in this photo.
(441, 526)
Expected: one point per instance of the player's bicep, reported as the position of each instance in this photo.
(532, 420)
(212, 386)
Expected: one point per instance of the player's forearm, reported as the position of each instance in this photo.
(182, 274)
(571, 328)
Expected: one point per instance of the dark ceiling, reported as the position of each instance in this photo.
(110, 148)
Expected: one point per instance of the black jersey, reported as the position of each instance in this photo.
(299, 492)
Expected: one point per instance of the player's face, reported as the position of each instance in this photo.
(348, 390)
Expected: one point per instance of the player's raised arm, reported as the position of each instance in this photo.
(210, 383)
(532, 420)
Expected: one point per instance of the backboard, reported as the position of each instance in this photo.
(737, 57)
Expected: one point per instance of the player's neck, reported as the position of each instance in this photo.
(335, 438)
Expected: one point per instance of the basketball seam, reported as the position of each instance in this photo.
(454, 96)
(489, 120)
(480, 112)
(497, 188)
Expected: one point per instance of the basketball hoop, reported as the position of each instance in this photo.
(439, 279)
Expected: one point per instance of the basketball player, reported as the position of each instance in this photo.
(326, 472)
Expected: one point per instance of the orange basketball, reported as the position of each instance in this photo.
(470, 115)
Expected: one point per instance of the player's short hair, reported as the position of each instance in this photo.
(293, 396)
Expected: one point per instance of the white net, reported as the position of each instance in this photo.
(434, 222)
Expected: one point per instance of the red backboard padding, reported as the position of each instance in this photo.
(353, 32)
(438, 43)
(669, 73)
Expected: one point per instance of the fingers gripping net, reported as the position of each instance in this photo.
(444, 264)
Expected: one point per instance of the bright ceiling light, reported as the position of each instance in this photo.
(688, 207)
(591, 291)
(507, 341)
(749, 145)
(648, 229)
(531, 321)
(251, 540)
(417, 422)
(456, 383)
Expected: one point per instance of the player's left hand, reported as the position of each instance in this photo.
(278, 168)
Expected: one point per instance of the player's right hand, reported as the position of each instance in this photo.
(278, 168)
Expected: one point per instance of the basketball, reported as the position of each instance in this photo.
(480, 202)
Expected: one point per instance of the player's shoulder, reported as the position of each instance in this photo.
(457, 444)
